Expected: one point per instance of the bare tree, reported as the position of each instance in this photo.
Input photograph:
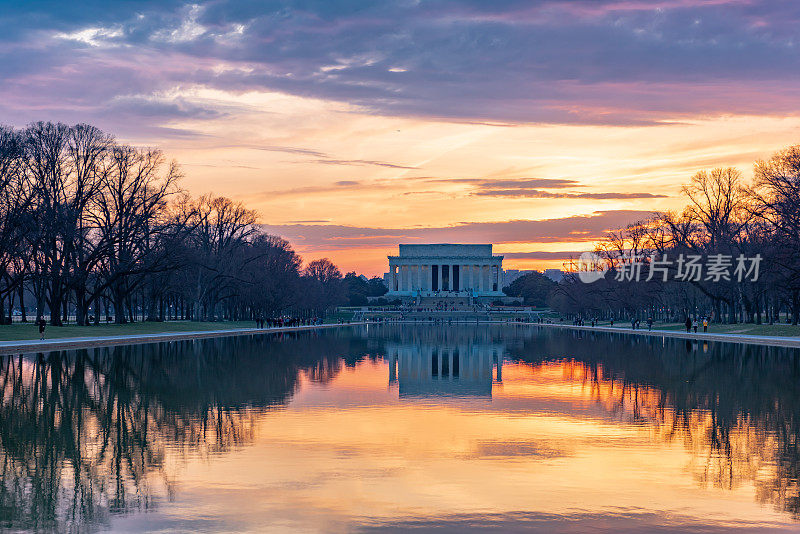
(270, 274)
(132, 221)
(776, 195)
(88, 150)
(220, 230)
(323, 287)
(15, 201)
(58, 207)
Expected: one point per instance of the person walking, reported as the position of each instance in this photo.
(42, 325)
(649, 323)
(705, 324)
(694, 324)
(688, 324)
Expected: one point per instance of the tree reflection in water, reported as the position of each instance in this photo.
(736, 408)
(89, 433)
(85, 435)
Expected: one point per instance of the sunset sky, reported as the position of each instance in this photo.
(354, 126)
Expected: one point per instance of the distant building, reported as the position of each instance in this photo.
(445, 270)
(556, 275)
(512, 274)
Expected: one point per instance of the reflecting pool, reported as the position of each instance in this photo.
(389, 428)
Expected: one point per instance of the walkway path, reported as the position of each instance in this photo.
(36, 345)
(776, 341)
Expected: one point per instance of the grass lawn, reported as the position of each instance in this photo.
(19, 331)
(335, 317)
(740, 328)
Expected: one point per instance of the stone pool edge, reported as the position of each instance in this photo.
(66, 343)
(774, 341)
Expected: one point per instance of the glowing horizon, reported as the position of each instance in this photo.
(534, 126)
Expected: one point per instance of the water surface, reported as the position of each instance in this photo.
(386, 428)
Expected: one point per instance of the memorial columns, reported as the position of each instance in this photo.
(430, 277)
(399, 277)
(450, 279)
(472, 277)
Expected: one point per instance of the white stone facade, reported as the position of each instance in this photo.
(445, 270)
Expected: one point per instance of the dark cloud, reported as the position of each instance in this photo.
(292, 150)
(163, 108)
(575, 228)
(583, 61)
(362, 162)
(542, 255)
(327, 159)
(517, 183)
(529, 188)
(534, 193)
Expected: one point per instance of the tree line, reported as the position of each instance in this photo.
(726, 217)
(85, 433)
(101, 229)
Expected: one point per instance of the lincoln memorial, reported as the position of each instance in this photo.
(445, 270)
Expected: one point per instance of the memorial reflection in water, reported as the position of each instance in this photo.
(510, 427)
(460, 367)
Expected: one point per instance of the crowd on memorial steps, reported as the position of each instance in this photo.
(96, 230)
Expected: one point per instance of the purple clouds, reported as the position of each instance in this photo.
(585, 62)
(580, 228)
